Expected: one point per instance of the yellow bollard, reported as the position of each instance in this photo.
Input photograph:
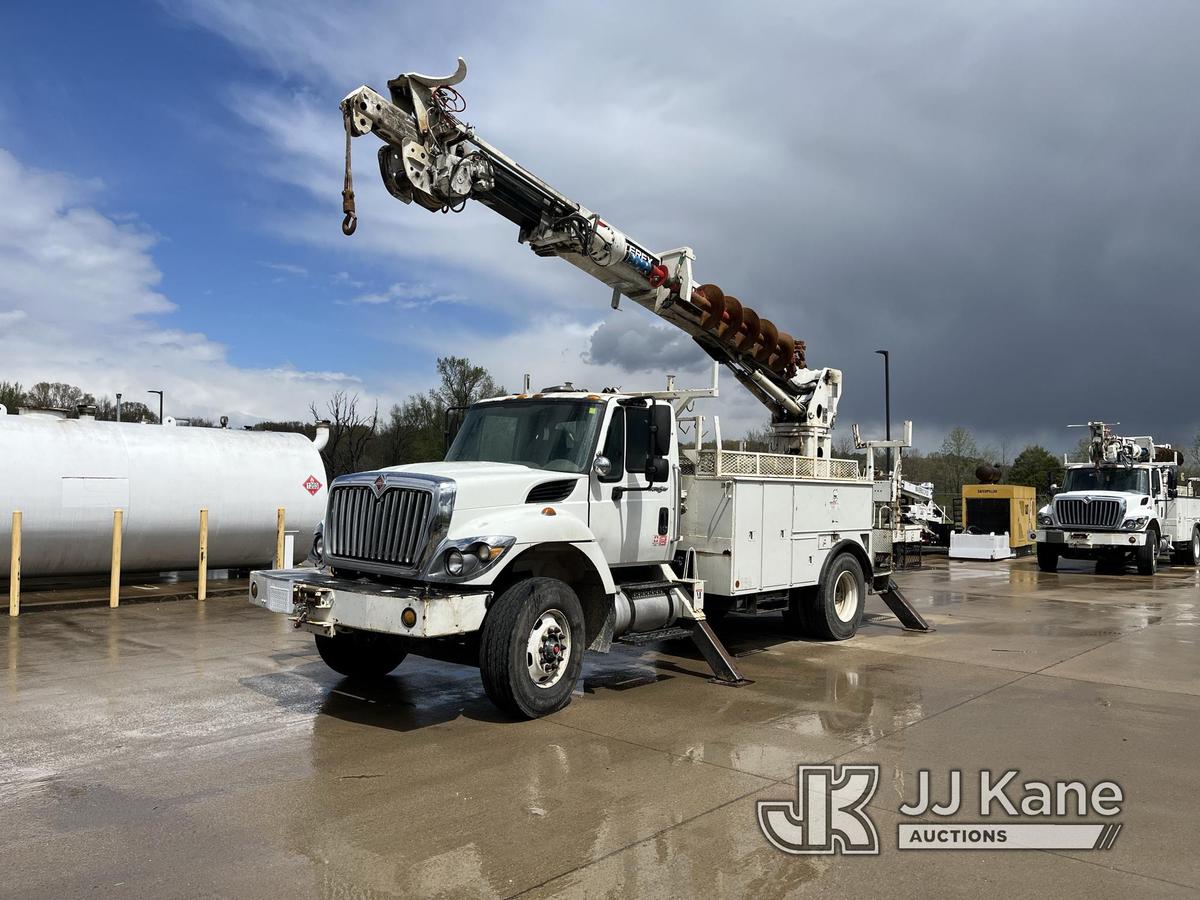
(14, 569)
(202, 589)
(114, 584)
(280, 520)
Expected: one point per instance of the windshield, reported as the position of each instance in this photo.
(1131, 481)
(557, 435)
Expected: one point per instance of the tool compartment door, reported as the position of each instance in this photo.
(747, 536)
(776, 535)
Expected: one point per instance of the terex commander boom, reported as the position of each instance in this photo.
(431, 158)
(564, 520)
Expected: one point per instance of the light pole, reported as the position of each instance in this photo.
(160, 405)
(118, 407)
(887, 402)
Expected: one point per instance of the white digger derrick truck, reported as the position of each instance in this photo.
(1126, 502)
(564, 520)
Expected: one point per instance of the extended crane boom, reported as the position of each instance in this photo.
(431, 158)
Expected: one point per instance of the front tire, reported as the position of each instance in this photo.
(1147, 554)
(361, 654)
(834, 611)
(531, 647)
(1047, 557)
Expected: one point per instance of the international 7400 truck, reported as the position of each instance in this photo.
(1126, 502)
(563, 519)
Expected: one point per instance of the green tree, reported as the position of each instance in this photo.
(57, 395)
(1036, 467)
(415, 430)
(464, 383)
(131, 411)
(12, 396)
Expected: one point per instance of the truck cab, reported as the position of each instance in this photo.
(548, 528)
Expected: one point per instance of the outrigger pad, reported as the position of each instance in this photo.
(725, 670)
(903, 610)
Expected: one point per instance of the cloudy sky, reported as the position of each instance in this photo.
(1006, 195)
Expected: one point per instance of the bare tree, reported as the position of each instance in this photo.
(350, 433)
(57, 395)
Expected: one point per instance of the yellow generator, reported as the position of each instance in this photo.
(997, 508)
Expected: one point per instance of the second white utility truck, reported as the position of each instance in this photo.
(1127, 502)
(562, 520)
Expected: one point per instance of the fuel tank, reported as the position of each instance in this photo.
(66, 476)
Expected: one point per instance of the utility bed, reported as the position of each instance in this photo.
(763, 522)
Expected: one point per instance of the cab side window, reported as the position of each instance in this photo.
(1156, 483)
(637, 442)
(614, 445)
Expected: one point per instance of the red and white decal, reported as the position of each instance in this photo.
(312, 484)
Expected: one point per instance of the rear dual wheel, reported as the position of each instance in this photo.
(832, 610)
(1190, 553)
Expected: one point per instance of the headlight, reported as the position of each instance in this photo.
(467, 558)
(1044, 519)
(1135, 524)
(316, 555)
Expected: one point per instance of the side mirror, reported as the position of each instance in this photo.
(1054, 489)
(657, 469)
(660, 430)
(602, 466)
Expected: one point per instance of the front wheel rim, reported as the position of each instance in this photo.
(845, 596)
(1196, 547)
(548, 650)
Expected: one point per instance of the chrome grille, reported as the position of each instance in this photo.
(1098, 513)
(390, 529)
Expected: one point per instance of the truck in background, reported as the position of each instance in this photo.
(1127, 502)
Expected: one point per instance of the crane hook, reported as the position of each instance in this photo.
(350, 219)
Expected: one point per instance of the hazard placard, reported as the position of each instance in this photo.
(312, 484)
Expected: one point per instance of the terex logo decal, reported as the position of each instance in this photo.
(828, 815)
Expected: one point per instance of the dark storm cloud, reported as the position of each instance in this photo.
(1005, 196)
(635, 345)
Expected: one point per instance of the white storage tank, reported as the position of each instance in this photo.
(66, 476)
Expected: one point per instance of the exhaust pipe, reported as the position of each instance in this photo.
(321, 438)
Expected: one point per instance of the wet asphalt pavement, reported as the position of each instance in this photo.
(200, 750)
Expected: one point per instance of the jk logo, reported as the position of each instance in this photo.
(829, 813)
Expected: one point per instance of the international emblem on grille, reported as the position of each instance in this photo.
(1087, 500)
(379, 483)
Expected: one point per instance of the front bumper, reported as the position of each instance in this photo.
(1084, 540)
(323, 603)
